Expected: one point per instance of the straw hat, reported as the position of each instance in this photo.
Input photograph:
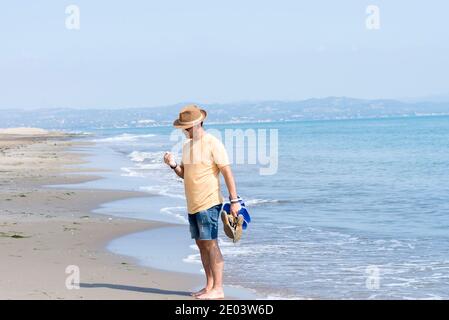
(190, 116)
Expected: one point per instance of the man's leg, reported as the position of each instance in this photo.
(216, 265)
(207, 269)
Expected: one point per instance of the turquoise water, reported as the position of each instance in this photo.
(349, 197)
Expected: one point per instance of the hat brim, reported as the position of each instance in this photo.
(186, 125)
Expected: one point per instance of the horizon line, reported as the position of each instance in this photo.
(401, 100)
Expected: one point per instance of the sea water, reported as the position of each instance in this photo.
(358, 209)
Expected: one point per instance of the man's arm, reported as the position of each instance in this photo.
(170, 161)
(179, 170)
(230, 184)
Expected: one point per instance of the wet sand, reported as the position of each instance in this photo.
(45, 230)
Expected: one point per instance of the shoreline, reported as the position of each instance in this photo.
(164, 228)
(36, 230)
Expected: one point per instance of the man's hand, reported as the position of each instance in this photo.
(169, 159)
(235, 208)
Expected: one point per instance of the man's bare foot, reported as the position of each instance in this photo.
(212, 294)
(200, 292)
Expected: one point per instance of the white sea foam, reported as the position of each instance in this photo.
(147, 160)
(146, 121)
(125, 137)
(193, 258)
(162, 190)
(227, 248)
(256, 202)
(288, 227)
(237, 249)
(178, 212)
(151, 166)
(145, 164)
(82, 133)
(131, 172)
(139, 156)
(194, 247)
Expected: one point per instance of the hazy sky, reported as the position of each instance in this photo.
(148, 53)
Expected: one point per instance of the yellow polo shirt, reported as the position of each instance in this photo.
(202, 159)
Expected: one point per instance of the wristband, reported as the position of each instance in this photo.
(176, 165)
(236, 200)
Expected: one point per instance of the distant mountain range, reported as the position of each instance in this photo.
(266, 111)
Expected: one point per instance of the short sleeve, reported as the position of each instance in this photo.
(219, 153)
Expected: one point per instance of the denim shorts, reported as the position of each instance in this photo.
(204, 224)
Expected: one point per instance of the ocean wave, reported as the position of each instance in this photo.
(152, 166)
(146, 121)
(147, 157)
(125, 137)
(194, 247)
(141, 170)
(145, 164)
(227, 248)
(237, 249)
(162, 191)
(80, 133)
(193, 258)
(261, 202)
(131, 172)
(139, 156)
(178, 212)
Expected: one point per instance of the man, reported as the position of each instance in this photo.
(203, 158)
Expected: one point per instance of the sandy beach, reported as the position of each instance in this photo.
(43, 230)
